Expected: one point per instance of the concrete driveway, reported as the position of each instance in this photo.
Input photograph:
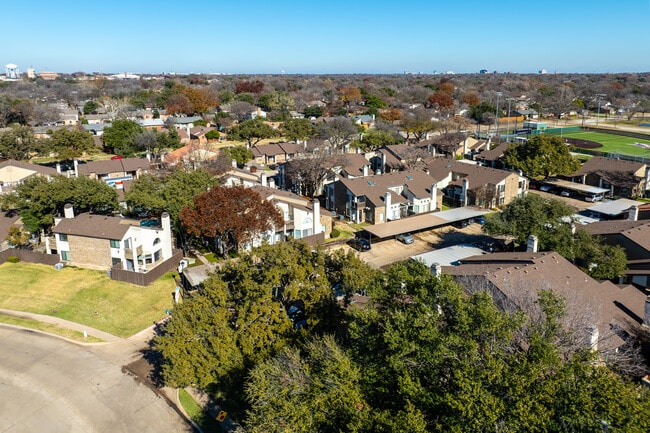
(49, 384)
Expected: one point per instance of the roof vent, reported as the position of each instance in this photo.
(371, 183)
(409, 177)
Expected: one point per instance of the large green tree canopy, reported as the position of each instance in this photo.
(252, 131)
(421, 356)
(551, 221)
(541, 156)
(39, 200)
(120, 137)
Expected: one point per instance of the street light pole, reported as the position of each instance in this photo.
(599, 95)
(496, 120)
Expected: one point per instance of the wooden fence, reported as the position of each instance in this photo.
(146, 278)
(30, 256)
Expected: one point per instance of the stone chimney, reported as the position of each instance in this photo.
(76, 167)
(68, 211)
(434, 196)
(165, 222)
(316, 219)
(436, 269)
(464, 193)
(263, 179)
(646, 313)
(387, 203)
(532, 245)
(383, 162)
(233, 163)
(633, 213)
(365, 170)
(271, 182)
(58, 168)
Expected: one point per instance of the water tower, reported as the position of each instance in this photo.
(12, 72)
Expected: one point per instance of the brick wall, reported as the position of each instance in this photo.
(90, 253)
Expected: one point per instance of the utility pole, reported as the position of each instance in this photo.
(598, 96)
(496, 120)
(508, 130)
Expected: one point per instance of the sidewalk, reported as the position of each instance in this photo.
(62, 323)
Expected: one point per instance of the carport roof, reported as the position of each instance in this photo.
(614, 207)
(448, 256)
(423, 221)
(585, 189)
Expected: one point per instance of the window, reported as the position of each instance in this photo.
(157, 255)
(65, 255)
(127, 243)
(115, 244)
(156, 241)
(63, 237)
(116, 260)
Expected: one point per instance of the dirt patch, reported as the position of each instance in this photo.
(583, 144)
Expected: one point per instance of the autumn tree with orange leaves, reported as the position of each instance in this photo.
(228, 217)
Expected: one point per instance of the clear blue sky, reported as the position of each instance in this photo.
(327, 36)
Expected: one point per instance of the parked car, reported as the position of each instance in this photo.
(405, 238)
(565, 193)
(480, 220)
(593, 198)
(546, 188)
(359, 244)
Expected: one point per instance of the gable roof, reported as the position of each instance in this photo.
(12, 171)
(636, 231)
(375, 187)
(609, 165)
(354, 164)
(113, 166)
(92, 226)
(476, 175)
(276, 149)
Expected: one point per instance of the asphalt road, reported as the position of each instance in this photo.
(51, 385)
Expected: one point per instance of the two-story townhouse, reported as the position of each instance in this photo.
(379, 198)
(475, 185)
(303, 218)
(114, 171)
(14, 172)
(101, 242)
(277, 153)
(623, 178)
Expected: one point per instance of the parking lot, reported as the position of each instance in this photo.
(385, 252)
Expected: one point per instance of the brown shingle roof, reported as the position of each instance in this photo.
(28, 166)
(113, 166)
(92, 226)
(601, 164)
(476, 175)
(374, 187)
(515, 274)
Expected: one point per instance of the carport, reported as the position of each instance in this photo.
(423, 222)
(614, 208)
(578, 187)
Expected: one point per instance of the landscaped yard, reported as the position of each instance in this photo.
(84, 296)
(613, 143)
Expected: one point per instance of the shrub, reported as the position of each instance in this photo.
(13, 259)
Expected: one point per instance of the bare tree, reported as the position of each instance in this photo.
(338, 131)
(306, 175)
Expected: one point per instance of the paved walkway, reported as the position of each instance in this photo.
(62, 323)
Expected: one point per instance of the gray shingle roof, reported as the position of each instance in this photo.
(92, 226)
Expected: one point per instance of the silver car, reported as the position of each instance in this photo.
(405, 238)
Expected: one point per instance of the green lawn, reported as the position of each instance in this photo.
(613, 143)
(197, 413)
(84, 296)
